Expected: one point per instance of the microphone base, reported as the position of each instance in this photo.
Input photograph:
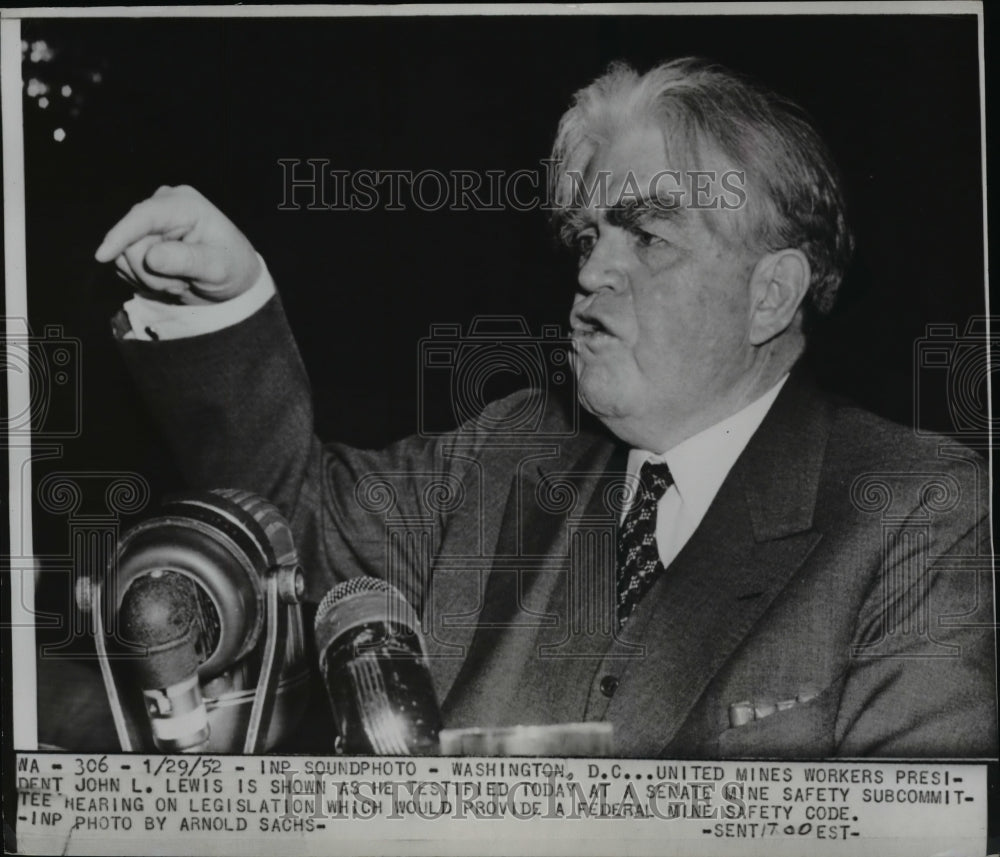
(178, 717)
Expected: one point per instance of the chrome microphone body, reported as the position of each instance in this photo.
(199, 611)
(374, 665)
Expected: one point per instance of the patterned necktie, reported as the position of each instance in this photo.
(638, 558)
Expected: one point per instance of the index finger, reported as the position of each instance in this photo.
(155, 216)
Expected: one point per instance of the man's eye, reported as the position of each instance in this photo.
(647, 239)
(584, 242)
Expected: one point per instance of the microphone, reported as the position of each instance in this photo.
(160, 612)
(374, 664)
(202, 613)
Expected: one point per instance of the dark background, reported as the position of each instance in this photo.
(215, 104)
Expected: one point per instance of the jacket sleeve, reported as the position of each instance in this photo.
(235, 408)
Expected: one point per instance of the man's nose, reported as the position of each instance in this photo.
(605, 266)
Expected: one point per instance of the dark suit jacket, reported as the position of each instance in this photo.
(843, 559)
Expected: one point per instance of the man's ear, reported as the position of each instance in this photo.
(778, 285)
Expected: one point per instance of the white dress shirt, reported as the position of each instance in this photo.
(157, 320)
(699, 466)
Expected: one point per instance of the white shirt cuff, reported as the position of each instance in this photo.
(155, 320)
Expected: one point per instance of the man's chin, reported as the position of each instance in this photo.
(600, 402)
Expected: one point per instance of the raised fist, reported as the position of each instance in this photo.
(178, 243)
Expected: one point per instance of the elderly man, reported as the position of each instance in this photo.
(748, 597)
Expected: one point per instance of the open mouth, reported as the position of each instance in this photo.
(590, 327)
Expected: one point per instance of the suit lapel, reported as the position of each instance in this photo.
(529, 566)
(755, 536)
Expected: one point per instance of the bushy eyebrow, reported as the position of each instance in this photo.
(572, 223)
(627, 214)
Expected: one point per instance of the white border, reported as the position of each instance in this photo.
(986, 287)
(23, 650)
(22, 578)
(831, 7)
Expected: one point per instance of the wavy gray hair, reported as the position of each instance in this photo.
(793, 193)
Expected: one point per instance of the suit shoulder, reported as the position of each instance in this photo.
(863, 435)
(530, 412)
(864, 448)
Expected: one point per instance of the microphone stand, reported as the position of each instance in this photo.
(283, 587)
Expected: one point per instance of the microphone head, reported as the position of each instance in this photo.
(160, 614)
(362, 601)
(375, 669)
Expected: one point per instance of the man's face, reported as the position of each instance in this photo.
(662, 314)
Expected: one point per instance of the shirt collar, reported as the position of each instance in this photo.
(700, 464)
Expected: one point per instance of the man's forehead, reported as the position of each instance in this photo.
(635, 155)
(649, 168)
(681, 178)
